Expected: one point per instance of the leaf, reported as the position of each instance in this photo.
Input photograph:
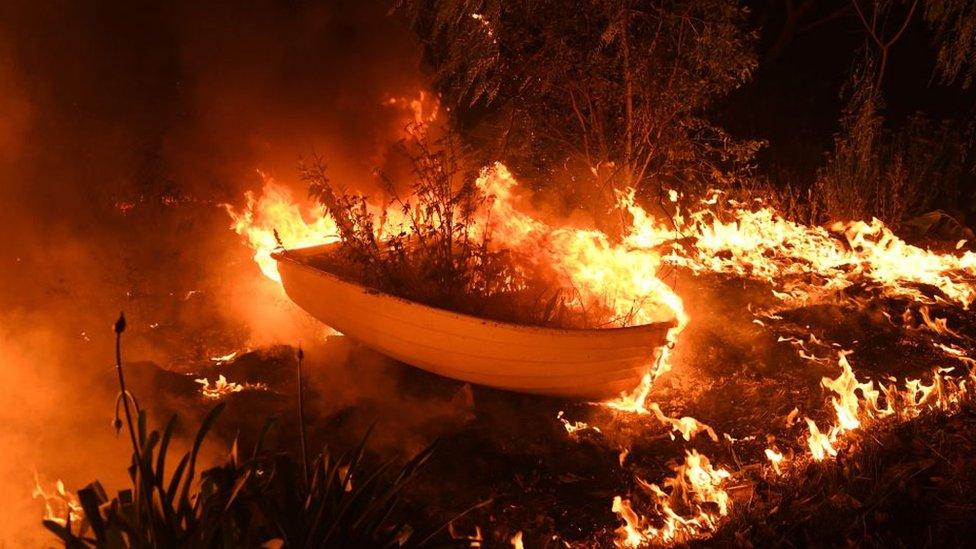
(163, 449)
(91, 498)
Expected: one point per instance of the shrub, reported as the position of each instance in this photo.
(438, 251)
(891, 174)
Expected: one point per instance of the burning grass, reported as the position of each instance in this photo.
(842, 333)
(907, 484)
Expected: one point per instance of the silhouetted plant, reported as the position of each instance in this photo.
(889, 173)
(264, 499)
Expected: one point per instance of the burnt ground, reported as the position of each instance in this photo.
(909, 484)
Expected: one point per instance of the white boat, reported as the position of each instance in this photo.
(572, 363)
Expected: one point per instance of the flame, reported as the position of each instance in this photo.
(635, 401)
(858, 403)
(758, 243)
(601, 273)
(277, 213)
(801, 264)
(222, 388)
(819, 443)
(687, 426)
(573, 427)
(775, 458)
(224, 358)
(695, 505)
(60, 506)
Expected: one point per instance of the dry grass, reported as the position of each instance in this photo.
(907, 485)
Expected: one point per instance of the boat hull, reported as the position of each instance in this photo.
(584, 363)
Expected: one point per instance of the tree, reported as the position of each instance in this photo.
(594, 95)
(875, 22)
(954, 23)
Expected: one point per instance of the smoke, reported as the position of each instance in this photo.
(123, 127)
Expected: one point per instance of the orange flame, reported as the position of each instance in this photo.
(858, 403)
(277, 212)
(759, 243)
(60, 506)
(695, 505)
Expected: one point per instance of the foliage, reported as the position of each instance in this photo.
(954, 23)
(345, 504)
(440, 254)
(435, 246)
(891, 174)
(257, 500)
(156, 512)
(596, 95)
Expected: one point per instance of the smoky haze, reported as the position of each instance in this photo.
(123, 126)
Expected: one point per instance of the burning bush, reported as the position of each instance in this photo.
(435, 246)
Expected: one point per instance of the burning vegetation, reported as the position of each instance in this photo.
(860, 266)
(564, 173)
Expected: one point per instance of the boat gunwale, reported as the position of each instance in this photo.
(286, 254)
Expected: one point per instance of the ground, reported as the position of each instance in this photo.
(896, 483)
